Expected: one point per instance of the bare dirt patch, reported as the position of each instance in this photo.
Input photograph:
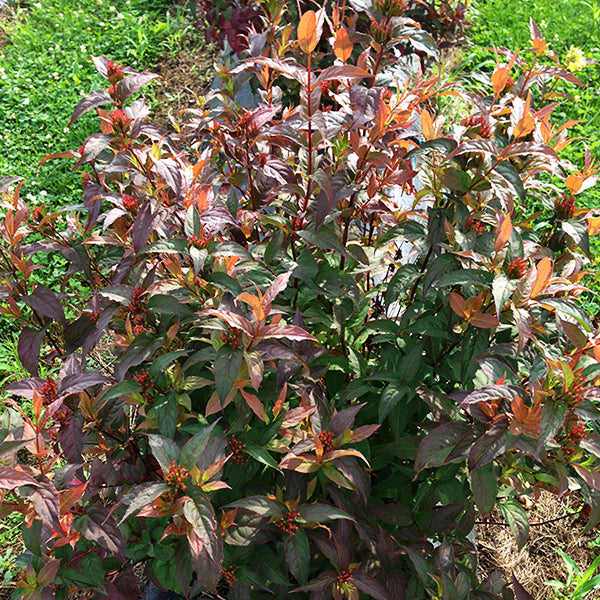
(188, 74)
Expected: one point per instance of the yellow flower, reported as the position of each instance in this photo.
(575, 59)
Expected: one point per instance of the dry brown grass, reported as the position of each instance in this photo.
(538, 562)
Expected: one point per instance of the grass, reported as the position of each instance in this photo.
(564, 25)
(45, 70)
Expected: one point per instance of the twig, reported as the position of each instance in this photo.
(530, 524)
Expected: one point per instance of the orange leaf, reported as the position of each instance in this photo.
(280, 400)
(307, 32)
(499, 79)
(483, 320)
(573, 183)
(593, 225)
(427, 125)
(544, 271)
(503, 233)
(458, 304)
(524, 127)
(342, 46)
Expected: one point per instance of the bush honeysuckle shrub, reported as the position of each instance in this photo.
(315, 346)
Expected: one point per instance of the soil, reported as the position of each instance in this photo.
(188, 75)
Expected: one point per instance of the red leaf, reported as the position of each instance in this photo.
(290, 332)
(255, 405)
(12, 478)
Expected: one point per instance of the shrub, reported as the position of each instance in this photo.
(325, 344)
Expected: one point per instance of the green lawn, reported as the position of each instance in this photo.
(45, 70)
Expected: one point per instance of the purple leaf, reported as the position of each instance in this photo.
(12, 478)
(140, 496)
(99, 526)
(520, 592)
(78, 382)
(93, 146)
(369, 585)
(145, 224)
(485, 146)
(91, 101)
(344, 419)
(170, 173)
(341, 72)
(132, 83)
(70, 438)
(25, 387)
(494, 442)
(28, 348)
(45, 302)
(45, 502)
(436, 446)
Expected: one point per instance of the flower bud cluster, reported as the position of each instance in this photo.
(517, 268)
(177, 476)
(564, 207)
(287, 523)
(481, 122)
(236, 448)
(327, 440)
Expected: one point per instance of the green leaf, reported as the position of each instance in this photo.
(192, 225)
(129, 386)
(502, 288)
(516, 517)
(228, 249)
(297, 554)
(484, 485)
(194, 447)
(261, 505)
(510, 175)
(227, 366)
(400, 283)
(321, 513)
(553, 415)
(165, 408)
(443, 145)
(224, 282)
(578, 232)
(171, 246)
(438, 268)
(162, 362)
(169, 305)
(569, 309)
(390, 398)
(165, 450)
(466, 277)
(261, 455)
(455, 179)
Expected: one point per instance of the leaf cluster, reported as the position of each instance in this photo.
(311, 343)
